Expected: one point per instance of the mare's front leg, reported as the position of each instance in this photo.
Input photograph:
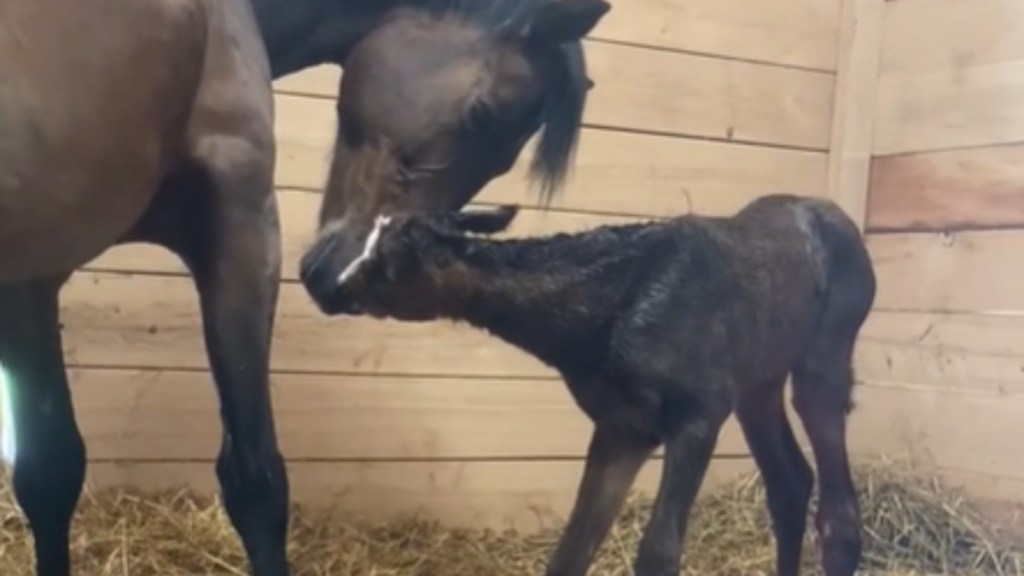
(49, 467)
(689, 446)
(613, 460)
(235, 259)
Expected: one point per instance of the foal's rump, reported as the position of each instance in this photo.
(806, 272)
(94, 100)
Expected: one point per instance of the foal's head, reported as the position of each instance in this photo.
(409, 267)
(438, 100)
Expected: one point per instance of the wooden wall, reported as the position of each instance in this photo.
(699, 105)
(942, 357)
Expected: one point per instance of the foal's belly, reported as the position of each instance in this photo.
(94, 102)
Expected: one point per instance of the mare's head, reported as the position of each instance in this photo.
(409, 265)
(438, 99)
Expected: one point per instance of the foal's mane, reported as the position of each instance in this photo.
(565, 83)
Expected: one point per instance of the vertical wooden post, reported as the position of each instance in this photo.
(853, 111)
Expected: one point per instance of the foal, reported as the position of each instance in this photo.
(660, 331)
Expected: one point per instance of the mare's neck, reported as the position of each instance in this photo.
(299, 34)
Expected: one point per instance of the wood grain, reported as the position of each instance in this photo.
(137, 415)
(298, 213)
(674, 93)
(959, 352)
(957, 107)
(854, 108)
(923, 35)
(975, 188)
(952, 75)
(790, 32)
(958, 272)
(145, 321)
(523, 495)
(614, 172)
(941, 429)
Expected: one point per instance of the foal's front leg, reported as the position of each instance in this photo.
(613, 460)
(689, 447)
(49, 467)
(236, 263)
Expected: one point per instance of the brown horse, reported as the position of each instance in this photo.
(438, 98)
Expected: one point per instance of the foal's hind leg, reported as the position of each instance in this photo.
(788, 478)
(822, 387)
(49, 467)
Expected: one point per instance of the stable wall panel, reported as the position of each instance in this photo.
(969, 431)
(137, 415)
(153, 321)
(950, 108)
(923, 35)
(800, 33)
(298, 212)
(952, 75)
(959, 272)
(677, 93)
(614, 172)
(976, 188)
(960, 352)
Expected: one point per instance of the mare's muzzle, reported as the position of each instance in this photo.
(320, 269)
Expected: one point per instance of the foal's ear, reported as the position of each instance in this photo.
(564, 21)
(485, 221)
(397, 258)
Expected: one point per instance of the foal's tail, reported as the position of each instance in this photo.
(850, 283)
(825, 374)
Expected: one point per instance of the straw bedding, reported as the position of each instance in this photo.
(913, 526)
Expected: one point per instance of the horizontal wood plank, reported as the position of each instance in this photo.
(967, 431)
(125, 320)
(973, 271)
(137, 415)
(676, 93)
(521, 495)
(949, 190)
(923, 35)
(959, 107)
(961, 352)
(790, 32)
(614, 172)
(298, 211)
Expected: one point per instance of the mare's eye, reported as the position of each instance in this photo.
(479, 117)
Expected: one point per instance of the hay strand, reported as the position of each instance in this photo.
(913, 526)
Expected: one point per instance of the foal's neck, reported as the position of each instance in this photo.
(543, 295)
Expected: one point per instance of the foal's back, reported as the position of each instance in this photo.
(746, 293)
(94, 101)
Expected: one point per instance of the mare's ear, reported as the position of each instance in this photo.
(485, 221)
(564, 21)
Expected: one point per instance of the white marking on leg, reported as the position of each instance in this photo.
(7, 439)
(371, 243)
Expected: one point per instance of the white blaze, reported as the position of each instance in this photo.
(7, 450)
(371, 243)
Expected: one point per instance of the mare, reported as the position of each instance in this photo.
(439, 97)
